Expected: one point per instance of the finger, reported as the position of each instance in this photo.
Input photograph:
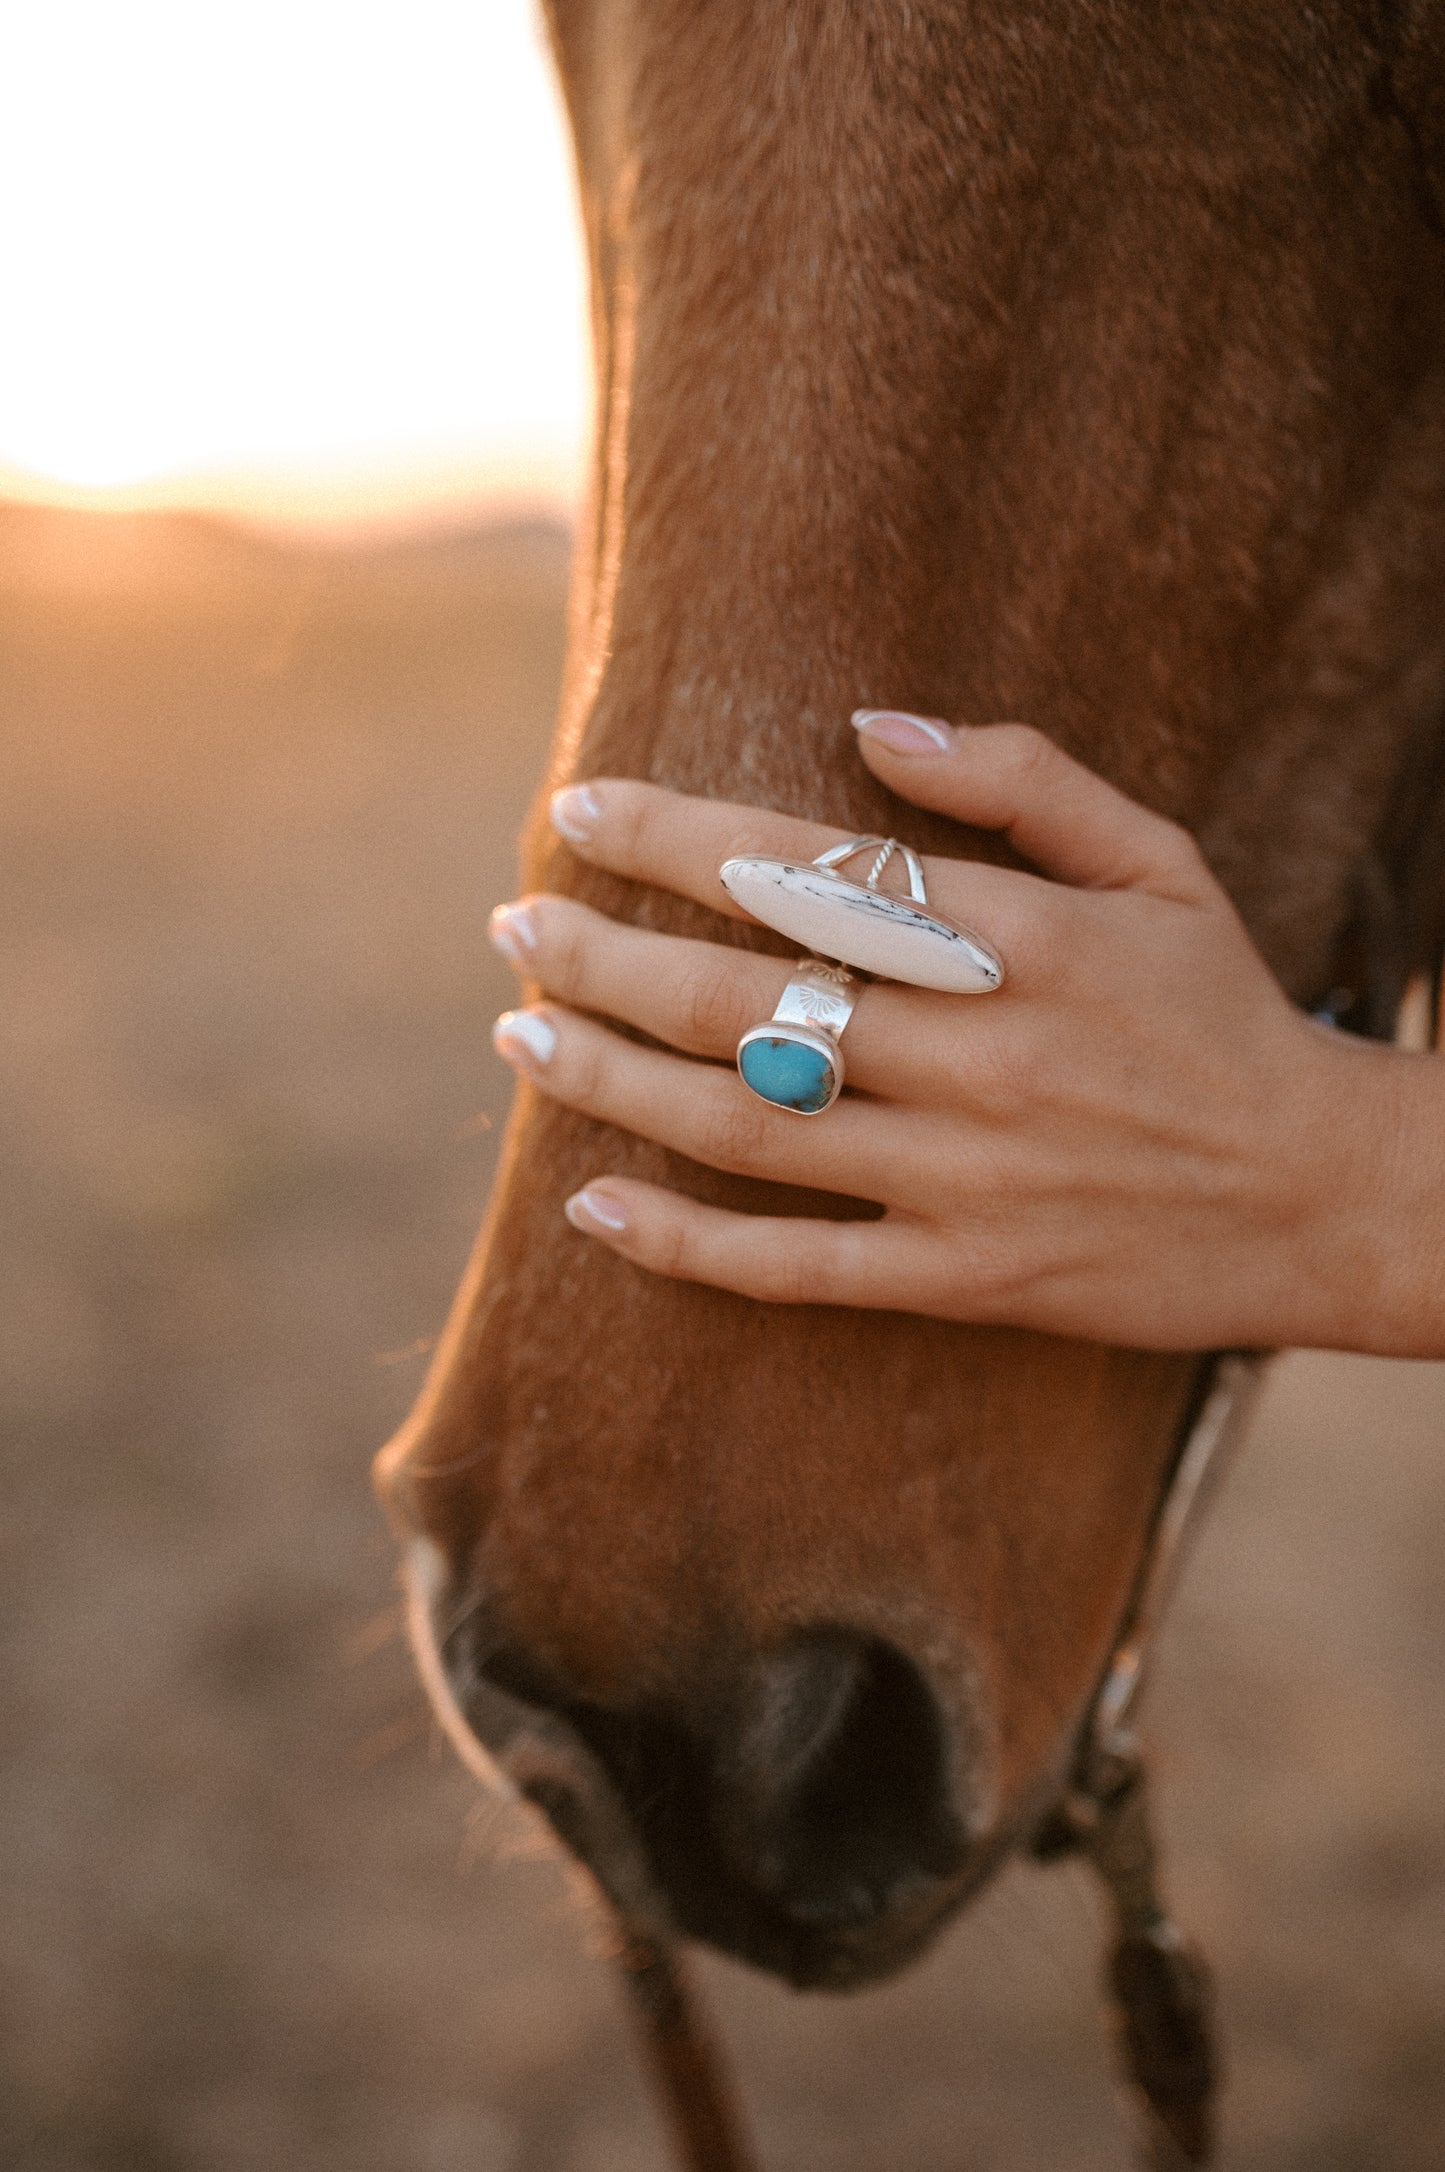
(1055, 812)
(698, 997)
(901, 1043)
(674, 840)
(860, 1148)
(781, 1260)
(679, 843)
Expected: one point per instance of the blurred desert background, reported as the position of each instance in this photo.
(259, 797)
(288, 446)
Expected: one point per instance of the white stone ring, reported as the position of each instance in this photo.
(894, 937)
(793, 1059)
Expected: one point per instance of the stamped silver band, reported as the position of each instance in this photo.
(819, 994)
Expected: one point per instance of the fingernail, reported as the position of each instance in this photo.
(590, 1210)
(575, 811)
(525, 1038)
(513, 931)
(901, 732)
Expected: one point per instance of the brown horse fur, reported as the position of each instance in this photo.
(1080, 362)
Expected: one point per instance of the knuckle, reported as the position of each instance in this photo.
(628, 810)
(784, 1278)
(978, 1253)
(982, 1278)
(587, 1072)
(736, 1131)
(654, 819)
(673, 1249)
(998, 1068)
(1026, 750)
(708, 1006)
(1005, 1281)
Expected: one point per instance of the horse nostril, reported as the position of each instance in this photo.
(837, 1776)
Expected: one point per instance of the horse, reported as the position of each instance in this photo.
(1083, 365)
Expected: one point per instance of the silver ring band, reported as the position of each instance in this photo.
(852, 846)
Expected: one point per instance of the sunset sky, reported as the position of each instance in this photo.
(306, 257)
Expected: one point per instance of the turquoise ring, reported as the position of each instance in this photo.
(793, 1059)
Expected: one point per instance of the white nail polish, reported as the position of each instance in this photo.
(589, 1210)
(901, 730)
(513, 932)
(525, 1037)
(575, 813)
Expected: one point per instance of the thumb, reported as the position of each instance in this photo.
(1009, 777)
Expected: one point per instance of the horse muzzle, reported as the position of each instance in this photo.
(819, 1816)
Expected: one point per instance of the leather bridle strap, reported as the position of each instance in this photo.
(1159, 1987)
(1232, 1382)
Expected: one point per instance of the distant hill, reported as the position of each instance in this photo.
(189, 557)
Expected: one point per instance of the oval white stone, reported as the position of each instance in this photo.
(872, 929)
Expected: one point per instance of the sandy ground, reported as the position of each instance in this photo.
(256, 803)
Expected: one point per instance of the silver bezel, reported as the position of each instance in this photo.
(774, 1029)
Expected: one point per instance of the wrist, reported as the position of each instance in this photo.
(1372, 1241)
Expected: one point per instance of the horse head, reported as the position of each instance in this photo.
(999, 361)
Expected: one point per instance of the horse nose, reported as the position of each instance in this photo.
(836, 1781)
(805, 1808)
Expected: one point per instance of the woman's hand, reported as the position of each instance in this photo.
(1137, 1139)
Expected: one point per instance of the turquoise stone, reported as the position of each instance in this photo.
(787, 1072)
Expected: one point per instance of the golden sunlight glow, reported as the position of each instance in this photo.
(291, 256)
